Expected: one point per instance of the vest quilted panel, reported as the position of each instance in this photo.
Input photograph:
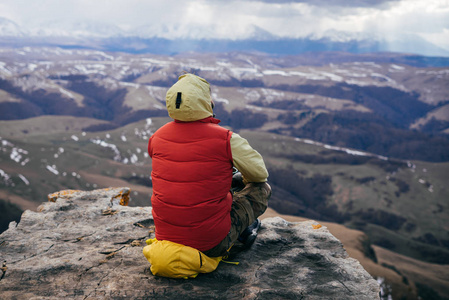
(192, 175)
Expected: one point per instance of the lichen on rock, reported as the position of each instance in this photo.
(87, 245)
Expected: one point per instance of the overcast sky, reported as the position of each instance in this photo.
(234, 19)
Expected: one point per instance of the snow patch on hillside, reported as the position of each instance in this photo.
(342, 149)
(15, 153)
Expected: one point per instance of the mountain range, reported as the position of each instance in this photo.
(172, 39)
(357, 139)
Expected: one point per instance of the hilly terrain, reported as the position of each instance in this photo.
(359, 140)
(393, 110)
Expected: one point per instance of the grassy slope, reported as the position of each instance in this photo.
(7, 97)
(81, 165)
(424, 211)
(45, 125)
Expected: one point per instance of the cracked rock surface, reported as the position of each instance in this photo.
(87, 246)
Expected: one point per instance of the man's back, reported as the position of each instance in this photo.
(192, 174)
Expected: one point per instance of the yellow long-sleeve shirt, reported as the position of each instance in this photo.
(247, 160)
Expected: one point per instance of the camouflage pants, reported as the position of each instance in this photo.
(247, 205)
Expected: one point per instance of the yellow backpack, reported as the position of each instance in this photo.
(169, 259)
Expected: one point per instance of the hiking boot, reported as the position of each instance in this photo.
(248, 236)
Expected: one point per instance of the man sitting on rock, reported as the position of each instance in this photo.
(192, 171)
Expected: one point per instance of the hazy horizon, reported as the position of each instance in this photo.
(388, 19)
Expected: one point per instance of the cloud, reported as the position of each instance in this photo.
(333, 3)
(413, 16)
(237, 19)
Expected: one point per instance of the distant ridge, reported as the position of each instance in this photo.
(170, 40)
(155, 45)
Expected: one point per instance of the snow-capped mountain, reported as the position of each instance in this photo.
(172, 31)
(198, 32)
(374, 42)
(10, 29)
(76, 29)
(257, 33)
(343, 36)
(175, 38)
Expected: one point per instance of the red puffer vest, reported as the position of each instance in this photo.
(192, 175)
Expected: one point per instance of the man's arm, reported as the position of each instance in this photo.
(247, 160)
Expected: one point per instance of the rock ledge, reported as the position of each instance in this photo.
(87, 246)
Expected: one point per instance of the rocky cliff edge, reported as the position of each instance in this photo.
(85, 245)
